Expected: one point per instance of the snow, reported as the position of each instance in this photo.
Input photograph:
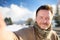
(15, 27)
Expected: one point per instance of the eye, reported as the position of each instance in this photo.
(47, 18)
(40, 17)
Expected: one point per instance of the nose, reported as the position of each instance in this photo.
(44, 20)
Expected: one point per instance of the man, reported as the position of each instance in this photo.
(4, 33)
(41, 30)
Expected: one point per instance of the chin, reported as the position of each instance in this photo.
(44, 27)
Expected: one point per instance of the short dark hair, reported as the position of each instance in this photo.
(44, 7)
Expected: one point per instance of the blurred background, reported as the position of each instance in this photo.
(19, 14)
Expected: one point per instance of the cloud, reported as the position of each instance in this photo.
(15, 12)
(19, 12)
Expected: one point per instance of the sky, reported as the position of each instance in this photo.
(22, 9)
(58, 2)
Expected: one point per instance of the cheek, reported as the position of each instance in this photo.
(38, 20)
(49, 21)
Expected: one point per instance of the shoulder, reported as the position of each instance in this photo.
(53, 32)
(24, 30)
(25, 33)
(54, 35)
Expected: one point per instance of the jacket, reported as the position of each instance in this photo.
(29, 34)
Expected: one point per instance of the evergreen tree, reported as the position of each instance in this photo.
(8, 21)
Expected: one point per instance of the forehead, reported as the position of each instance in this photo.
(44, 13)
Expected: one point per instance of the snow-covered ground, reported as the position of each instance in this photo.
(15, 27)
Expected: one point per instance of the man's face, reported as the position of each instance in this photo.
(44, 18)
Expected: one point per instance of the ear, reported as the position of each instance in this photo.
(52, 16)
